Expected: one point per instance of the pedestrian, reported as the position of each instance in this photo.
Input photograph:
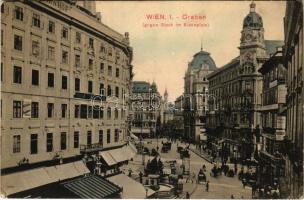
(235, 168)
(140, 177)
(232, 197)
(193, 177)
(207, 186)
(187, 195)
(244, 182)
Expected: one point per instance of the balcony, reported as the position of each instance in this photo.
(90, 147)
(89, 96)
(269, 157)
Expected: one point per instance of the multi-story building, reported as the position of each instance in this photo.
(273, 120)
(236, 90)
(56, 56)
(293, 53)
(145, 111)
(195, 94)
(178, 117)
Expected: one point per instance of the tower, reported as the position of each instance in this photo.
(166, 96)
(252, 45)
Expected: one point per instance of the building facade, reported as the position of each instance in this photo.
(273, 121)
(145, 111)
(293, 53)
(195, 94)
(236, 90)
(62, 69)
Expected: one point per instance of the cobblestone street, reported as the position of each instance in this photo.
(219, 187)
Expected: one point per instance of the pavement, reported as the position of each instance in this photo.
(221, 187)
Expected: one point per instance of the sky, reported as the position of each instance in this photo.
(161, 54)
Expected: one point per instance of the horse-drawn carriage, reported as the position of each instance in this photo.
(166, 147)
(201, 177)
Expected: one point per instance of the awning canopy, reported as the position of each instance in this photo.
(134, 136)
(114, 156)
(131, 188)
(92, 187)
(29, 179)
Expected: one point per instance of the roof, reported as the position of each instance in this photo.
(143, 87)
(92, 187)
(201, 58)
(271, 45)
(253, 19)
(131, 188)
(29, 179)
(233, 62)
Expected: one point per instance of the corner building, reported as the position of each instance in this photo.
(236, 90)
(57, 56)
(195, 96)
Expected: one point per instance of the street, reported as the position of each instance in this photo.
(219, 187)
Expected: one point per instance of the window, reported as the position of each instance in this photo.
(35, 48)
(63, 141)
(109, 70)
(100, 137)
(50, 109)
(90, 112)
(78, 37)
(101, 89)
(64, 82)
(109, 90)
(96, 112)
(35, 77)
(65, 57)
(116, 136)
(64, 108)
(64, 33)
(34, 143)
(77, 84)
(1, 72)
(101, 67)
(77, 60)
(101, 113)
(2, 36)
(2, 7)
(76, 139)
(51, 53)
(19, 13)
(18, 42)
(108, 136)
(110, 51)
(17, 74)
(83, 111)
(16, 143)
(90, 87)
(117, 91)
(50, 79)
(109, 113)
(77, 111)
(51, 27)
(17, 111)
(35, 110)
(91, 43)
(49, 142)
(89, 137)
(116, 113)
(36, 20)
(117, 73)
(90, 64)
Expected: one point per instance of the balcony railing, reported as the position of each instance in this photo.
(90, 147)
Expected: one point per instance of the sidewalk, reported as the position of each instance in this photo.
(203, 155)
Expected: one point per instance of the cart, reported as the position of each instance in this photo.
(201, 178)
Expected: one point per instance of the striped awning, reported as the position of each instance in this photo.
(114, 156)
(92, 187)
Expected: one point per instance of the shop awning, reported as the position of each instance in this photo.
(92, 187)
(114, 156)
(29, 179)
(108, 158)
(131, 188)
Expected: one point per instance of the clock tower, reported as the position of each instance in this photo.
(252, 46)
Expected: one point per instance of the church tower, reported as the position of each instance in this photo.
(252, 46)
(166, 96)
